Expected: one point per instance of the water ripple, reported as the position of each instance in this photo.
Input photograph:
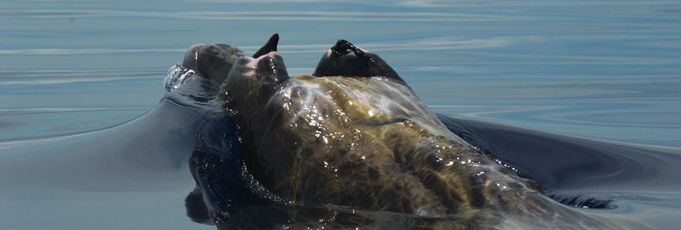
(58, 77)
(265, 15)
(311, 48)
(83, 51)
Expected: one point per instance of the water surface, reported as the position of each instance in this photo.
(77, 78)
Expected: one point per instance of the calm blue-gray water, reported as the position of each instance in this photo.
(84, 141)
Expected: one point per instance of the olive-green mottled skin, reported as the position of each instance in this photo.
(370, 143)
(331, 151)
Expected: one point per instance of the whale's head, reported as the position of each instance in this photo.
(354, 82)
(254, 80)
(258, 78)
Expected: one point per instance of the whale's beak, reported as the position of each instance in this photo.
(270, 46)
(257, 76)
(269, 66)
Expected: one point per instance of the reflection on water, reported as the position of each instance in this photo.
(73, 73)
